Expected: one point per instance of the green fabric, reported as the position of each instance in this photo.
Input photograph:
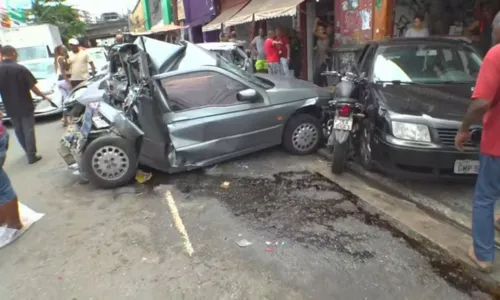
(147, 15)
(166, 11)
(260, 64)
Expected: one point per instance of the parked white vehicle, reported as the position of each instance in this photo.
(99, 56)
(233, 52)
(33, 41)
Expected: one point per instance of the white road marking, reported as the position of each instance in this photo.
(178, 222)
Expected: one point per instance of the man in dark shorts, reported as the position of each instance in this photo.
(16, 85)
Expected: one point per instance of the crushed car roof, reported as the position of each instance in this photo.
(158, 51)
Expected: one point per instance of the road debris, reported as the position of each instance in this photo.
(142, 176)
(243, 243)
(225, 184)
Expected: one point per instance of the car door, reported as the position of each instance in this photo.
(207, 123)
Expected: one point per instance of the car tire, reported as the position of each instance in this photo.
(305, 142)
(108, 152)
(365, 151)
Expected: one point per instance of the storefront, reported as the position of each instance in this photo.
(197, 14)
(275, 12)
(228, 8)
(353, 21)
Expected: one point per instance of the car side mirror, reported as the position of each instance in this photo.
(248, 95)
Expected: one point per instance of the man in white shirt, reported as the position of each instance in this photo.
(79, 63)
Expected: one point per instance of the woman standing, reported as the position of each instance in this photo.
(322, 49)
(418, 30)
(61, 66)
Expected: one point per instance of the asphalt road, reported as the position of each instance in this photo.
(309, 239)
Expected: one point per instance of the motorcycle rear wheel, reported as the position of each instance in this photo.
(340, 154)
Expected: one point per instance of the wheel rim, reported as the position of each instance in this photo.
(305, 137)
(366, 150)
(110, 163)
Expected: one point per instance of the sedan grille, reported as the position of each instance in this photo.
(447, 137)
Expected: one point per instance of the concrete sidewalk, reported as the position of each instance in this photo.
(432, 206)
(446, 242)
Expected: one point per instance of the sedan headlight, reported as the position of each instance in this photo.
(410, 131)
(44, 105)
(76, 94)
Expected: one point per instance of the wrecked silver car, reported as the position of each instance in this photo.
(188, 108)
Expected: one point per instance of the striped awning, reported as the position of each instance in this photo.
(225, 15)
(264, 9)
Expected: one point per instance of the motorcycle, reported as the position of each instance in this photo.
(343, 118)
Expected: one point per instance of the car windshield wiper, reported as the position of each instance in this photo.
(396, 82)
(451, 82)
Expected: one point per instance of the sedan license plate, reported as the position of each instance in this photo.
(342, 123)
(99, 122)
(466, 167)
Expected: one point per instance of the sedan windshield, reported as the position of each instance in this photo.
(41, 69)
(34, 52)
(426, 63)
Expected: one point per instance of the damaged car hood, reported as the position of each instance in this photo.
(442, 101)
(287, 89)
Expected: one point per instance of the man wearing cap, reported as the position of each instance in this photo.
(79, 63)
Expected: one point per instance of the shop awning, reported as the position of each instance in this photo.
(225, 15)
(165, 28)
(264, 9)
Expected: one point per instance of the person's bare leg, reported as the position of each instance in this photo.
(13, 219)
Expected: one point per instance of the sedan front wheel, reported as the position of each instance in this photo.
(302, 134)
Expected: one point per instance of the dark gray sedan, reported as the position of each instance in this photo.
(191, 108)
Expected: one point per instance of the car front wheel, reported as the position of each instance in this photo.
(302, 134)
(109, 161)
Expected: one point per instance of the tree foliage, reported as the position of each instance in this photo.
(55, 12)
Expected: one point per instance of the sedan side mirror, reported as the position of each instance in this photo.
(248, 95)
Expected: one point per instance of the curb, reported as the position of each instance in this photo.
(427, 204)
(442, 242)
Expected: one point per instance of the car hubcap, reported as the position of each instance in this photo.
(305, 137)
(110, 163)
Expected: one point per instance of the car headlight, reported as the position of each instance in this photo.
(76, 94)
(44, 105)
(412, 132)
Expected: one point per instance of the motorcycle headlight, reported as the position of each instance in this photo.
(410, 131)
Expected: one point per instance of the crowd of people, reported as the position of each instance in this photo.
(277, 53)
